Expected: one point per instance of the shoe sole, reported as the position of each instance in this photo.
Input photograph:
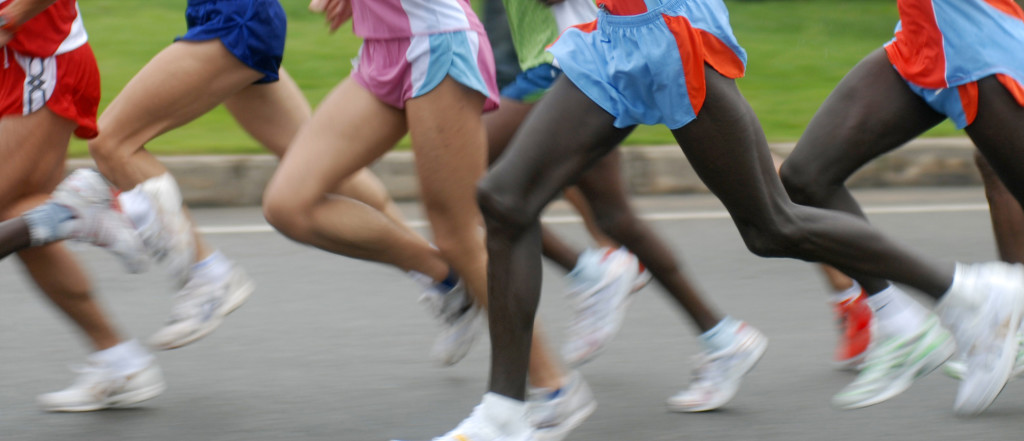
(234, 302)
(561, 431)
(751, 364)
(933, 361)
(115, 402)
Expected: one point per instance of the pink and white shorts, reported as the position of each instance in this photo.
(399, 69)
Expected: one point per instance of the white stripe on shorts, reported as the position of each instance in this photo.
(40, 80)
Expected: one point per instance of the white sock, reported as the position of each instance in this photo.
(508, 415)
(896, 313)
(213, 268)
(137, 205)
(721, 336)
(847, 294)
(124, 358)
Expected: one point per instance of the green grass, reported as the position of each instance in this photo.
(797, 49)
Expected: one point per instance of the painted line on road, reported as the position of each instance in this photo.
(653, 217)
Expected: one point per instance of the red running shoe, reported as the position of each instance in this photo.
(853, 316)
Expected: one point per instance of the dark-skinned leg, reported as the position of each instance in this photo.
(603, 187)
(501, 126)
(14, 236)
(1006, 213)
(727, 148)
(854, 125)
(512, 195)
(998, 134)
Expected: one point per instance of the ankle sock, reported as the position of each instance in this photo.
(508, 415)
(896, 313)
(721, 336)
(214, 267)
(848, 293)
(137, 205)
(124, 358)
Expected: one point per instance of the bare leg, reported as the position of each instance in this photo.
(512, 195)
(272, 113)
(33, 148)
(1007, 215)
(295, 201)
(449, 163)
(603, 187)
(501, 125)
(727, 148)
(579, 202)
(853, 126)
(997, 134)
(182, 82)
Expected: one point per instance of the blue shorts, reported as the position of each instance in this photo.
(252, 30)
(530, 85)
(649, 68)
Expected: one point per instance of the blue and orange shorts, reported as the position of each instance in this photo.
(649, 68)
(942, 48)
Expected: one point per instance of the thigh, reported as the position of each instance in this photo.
(998, 132)
(32, 152)
(727, 148)
(449, 141)
(559, 140)
(349, 130)
(502, 124)
(181, 83)
(271, 112)
(604, 188)
(870, 112)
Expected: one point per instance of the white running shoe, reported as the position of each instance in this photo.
(892, 364)
(553, 418)
(200, 307)
(984, 309)
(98, 219)
(460, 320)
(98, 387)
(956, 367)
(717, 377)
(169, 236)
(477, 428)
(601, 285)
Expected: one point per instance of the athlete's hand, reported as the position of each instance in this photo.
(337, 11)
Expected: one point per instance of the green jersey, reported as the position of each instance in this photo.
(535, 26)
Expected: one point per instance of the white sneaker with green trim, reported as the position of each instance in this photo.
(892, 364)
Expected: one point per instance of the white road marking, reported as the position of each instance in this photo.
(654, 217)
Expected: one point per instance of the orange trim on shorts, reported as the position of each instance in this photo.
(1013, 87)
(917, 50)
(969, 100)
(720, 56)
(1008, 7)
(691, 53)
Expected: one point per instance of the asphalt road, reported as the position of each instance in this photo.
(335, 349)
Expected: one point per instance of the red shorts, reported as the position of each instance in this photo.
(68, 84)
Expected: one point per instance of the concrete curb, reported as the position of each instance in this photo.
(234, 180)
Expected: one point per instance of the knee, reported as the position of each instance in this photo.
(283, 213)
(777, 236)
(104, 149)
(806, 184)
(503, 209)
